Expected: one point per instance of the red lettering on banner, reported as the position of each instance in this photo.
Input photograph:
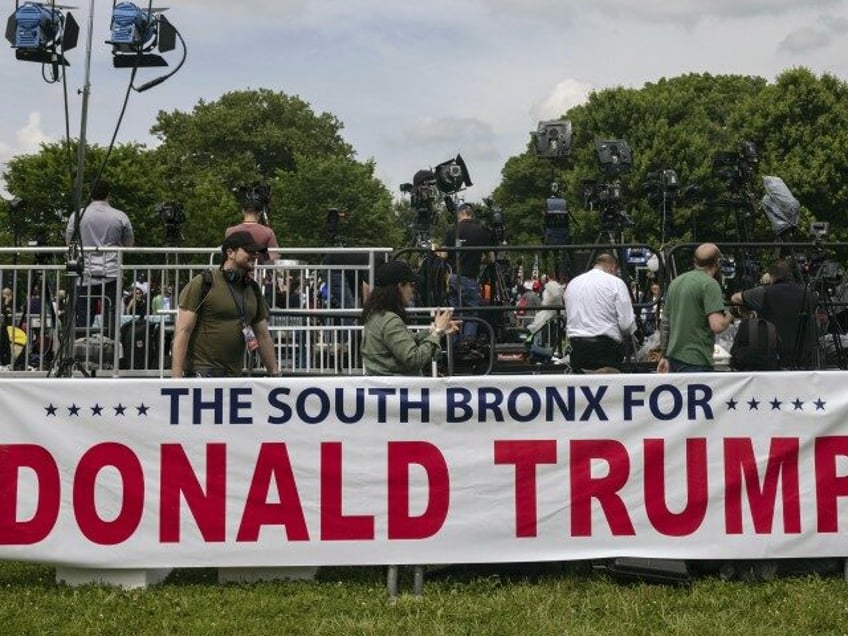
(123, 459)
(401, 455)
(525, 456)
(692, 516)
(272, 463)
(207, 507)
(335, 525)
(829, 486)
(782, 464)
(14, 457)
(584, 488)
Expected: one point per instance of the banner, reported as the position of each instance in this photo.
(121, 473)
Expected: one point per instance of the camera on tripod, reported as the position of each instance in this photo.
(173, 217)
(492, 216)
(256, 197)
(737, 166)
(737, 170)
(334, 217)
(422, 197)
(614, 159)
(552, 139)
(659, 184)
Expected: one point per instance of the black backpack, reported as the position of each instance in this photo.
(755, 346)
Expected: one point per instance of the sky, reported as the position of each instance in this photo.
(415, 83)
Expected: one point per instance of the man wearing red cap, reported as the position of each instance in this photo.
(218, 323)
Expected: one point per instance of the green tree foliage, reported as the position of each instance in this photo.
(799, 124)
(43, 181)
(261, 136)
(302, 198)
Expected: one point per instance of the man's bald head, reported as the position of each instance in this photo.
(707, 256)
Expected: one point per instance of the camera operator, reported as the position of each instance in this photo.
(100, 225)
(464, 285)
(790, 306)
(263, 235)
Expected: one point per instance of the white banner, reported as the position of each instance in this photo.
(126, 473)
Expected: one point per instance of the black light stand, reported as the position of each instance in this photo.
(66, 361)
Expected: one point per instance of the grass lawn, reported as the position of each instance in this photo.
(525, 600)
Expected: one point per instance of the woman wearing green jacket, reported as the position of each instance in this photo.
(389, 347)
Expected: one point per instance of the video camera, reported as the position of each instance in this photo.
(172, 216)
(737, 167)
(422, 197)
(493, 215)
(256, 197)
(334, 216)
(661, 183)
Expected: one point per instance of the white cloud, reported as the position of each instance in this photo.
(565, 95)
(27, 140)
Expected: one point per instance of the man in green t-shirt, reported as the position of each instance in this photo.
(693, 313)
(218, 322)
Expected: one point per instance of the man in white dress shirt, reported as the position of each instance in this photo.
(599, 315)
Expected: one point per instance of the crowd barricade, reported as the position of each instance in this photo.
(315, 296)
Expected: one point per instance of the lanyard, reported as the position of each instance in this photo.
(238, 298)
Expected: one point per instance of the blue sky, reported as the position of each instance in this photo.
(415, 83)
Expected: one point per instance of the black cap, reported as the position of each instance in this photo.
(243, 239)
(393, 273)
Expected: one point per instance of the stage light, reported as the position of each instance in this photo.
(42, 33)
(452, 176)
(135, 32)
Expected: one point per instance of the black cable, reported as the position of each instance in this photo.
(162, 78)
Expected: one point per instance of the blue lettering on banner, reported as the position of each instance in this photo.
(236, 400)
(316, 406)
(486, 404)
(667, 402)
(525, 404)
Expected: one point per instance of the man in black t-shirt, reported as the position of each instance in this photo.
(464, 286)
(791, 307)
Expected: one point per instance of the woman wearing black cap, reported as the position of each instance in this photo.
(388, 345)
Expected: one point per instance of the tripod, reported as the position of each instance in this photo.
(834, 326)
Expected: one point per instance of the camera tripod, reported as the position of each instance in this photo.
(835, 328)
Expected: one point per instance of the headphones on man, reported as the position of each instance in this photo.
(233, 276)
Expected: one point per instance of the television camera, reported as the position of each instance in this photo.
(423, 194)
(552, 139)
(493, 216)
(256, 197)
(819, 269)
(173, 217)
(661, 188)
(614, 159)
(737, 169)
(334, 217)
(446, 179)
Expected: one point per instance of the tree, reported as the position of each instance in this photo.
(800, 125)
(677, 123)
(43, 181)
(303, 197)
(246, 137)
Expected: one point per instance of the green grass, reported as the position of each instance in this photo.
(529, 601)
